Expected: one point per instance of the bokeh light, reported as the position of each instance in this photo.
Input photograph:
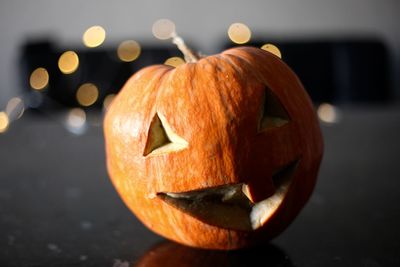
(174, 61)
(272, 49)
(163, 29)
(15, 108)
(4, 122)
(75, 121)
(108, 100)
(87, 94)
(239, 33)
(68, 62)
(328, 113)
(39, 79)
(128, 50)
(94, 36)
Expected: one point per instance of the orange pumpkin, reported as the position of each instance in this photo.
(221, 153)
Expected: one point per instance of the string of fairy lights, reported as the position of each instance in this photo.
(87, 94)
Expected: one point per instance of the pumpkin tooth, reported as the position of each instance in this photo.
(263, 210)
(246, 192)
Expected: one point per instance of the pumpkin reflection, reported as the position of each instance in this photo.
(171, 254)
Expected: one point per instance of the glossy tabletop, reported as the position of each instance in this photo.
(58, 207)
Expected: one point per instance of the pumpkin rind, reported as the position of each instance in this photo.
(215, 106)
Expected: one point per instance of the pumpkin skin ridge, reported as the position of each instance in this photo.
(257, 75)
(191, 68)
(318, 145)
(172, 73)
(317, 140)
(193, 72)
(256, 132)
(209, 60)
(194, 65)
(245, 48)
(223, 239)
(126, 197)
(152, 113)
(224, 110)
(215, 231)
(224, 182)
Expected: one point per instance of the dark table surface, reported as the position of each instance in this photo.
(58, 207)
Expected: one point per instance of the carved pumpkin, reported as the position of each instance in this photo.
(221, 153)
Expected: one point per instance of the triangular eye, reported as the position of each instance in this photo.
(161, 139)
(273, 114)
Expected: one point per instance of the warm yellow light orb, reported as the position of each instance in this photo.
(4, 122)
(128, 50)
(94, 36)
(328, 113)
(174, 61)
(87, 94)
(39, 79)
(239, 33)
(272, 49)
(68, 62)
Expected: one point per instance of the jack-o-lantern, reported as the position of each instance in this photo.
(220, 153)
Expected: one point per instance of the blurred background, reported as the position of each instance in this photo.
(62, 62)
(345, 52)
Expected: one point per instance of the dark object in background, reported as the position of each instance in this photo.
(100, 66)
(347, 71)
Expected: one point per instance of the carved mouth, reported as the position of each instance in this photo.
(228, 206)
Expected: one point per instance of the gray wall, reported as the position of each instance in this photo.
(203, 22)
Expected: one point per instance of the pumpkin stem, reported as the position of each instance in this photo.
(189, 55)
